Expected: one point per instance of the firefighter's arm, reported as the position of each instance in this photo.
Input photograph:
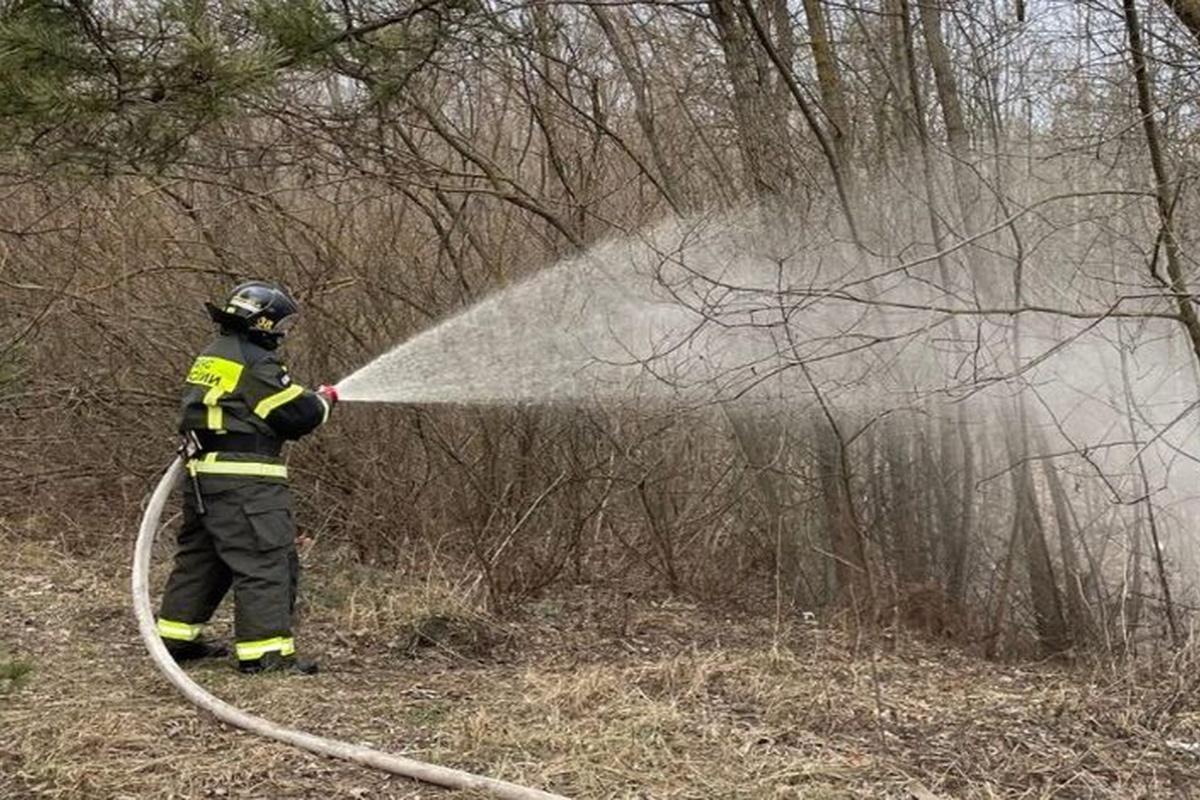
(291, 410)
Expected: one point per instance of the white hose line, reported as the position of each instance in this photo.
(429, 773)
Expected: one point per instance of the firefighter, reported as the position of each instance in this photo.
(239, 406)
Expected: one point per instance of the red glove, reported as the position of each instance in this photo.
(329, 393)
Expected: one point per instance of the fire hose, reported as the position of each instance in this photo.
(365, 756)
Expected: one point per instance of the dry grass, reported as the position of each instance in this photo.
(586, 694)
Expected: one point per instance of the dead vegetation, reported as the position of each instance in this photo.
(589, 693)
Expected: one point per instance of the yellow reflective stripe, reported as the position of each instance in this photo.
(251, 651)
(209, 465)
(269, 404)
(324, 409)
(179, 631)
(216, 415)
(221, 376)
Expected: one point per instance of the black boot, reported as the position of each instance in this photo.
(273, 662)
(194, 651)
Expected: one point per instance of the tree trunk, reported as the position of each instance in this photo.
(1147, 495)
(944, 79)
(954, 451)
(895, 12)
(778, 55)
(1043, 588)
(643, 107)
(1077, 615)
(832, 96)
(763, 443)
(992, 647)
(909, 541)
(845, 540)
(1162, 183)
(762, 133)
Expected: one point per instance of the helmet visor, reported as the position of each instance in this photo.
(284, 325)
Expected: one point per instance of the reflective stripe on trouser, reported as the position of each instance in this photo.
(252, 651)
(178, 631)
(210, 464)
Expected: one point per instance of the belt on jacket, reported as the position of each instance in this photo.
(213, 442)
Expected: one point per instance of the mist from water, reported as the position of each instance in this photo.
(709, 311)
(715, 312)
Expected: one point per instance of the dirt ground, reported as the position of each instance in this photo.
(588, 694)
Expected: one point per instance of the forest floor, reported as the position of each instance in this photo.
(587, 694)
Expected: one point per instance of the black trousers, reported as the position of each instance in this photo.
(244, 540)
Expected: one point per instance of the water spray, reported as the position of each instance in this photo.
(231, 715)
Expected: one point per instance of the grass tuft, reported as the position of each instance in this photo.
(14, 673)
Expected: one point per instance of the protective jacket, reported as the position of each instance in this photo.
(243, 405)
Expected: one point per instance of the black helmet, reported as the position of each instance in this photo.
(262, 309)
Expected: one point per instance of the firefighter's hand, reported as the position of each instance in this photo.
(329, 393)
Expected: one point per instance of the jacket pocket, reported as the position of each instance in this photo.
(271, 519)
